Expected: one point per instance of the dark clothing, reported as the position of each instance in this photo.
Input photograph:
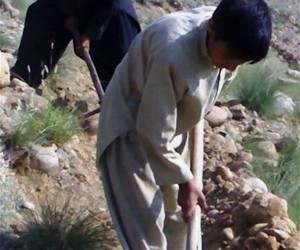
(111, 25)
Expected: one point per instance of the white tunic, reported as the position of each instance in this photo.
(162, 88)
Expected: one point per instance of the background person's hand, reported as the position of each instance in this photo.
(189, 196)
(81, 45)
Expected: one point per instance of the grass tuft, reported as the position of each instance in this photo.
(52, 124)
(256, 84)
(59, 227)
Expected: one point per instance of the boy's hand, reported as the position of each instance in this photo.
(189, 196)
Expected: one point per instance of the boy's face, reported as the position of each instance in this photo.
(221, 57)
(219, 53)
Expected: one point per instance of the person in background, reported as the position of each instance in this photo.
(164, 86)
(105, 27)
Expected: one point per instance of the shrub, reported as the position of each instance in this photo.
(256, 84)
(52, 124)
(57, 227)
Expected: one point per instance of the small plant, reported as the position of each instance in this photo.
(256, 84)
(59, 227)
(52, 124)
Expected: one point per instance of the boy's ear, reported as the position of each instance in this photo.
(211, 25)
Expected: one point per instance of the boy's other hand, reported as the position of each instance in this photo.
(189, 196)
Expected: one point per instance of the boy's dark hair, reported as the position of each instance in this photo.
(245, 26)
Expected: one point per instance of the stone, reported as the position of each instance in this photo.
(230, 146)
(284, 224)
(44, 159)
(216, 117)
(238, 114)
(225, 173)
(13, 12)
(238, 165)
(283, 105)
(257, 228)
(266, 148)
(243, 156)
(277, 233)
(294, 73)
(227, 233)
(4, 71)
(256, 183)
(264, 206)
(292, 243)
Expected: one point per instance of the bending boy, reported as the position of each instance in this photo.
(163, 87)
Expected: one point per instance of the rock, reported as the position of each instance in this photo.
(238, 165)
(292, 243)
(272, 136)
(283, 105)
(229, 145)
(216, 116)
(242, 156)
(28, 205)
(277, 233)
(44, 159)
(237, 106)
(4, 71)
(233, 132)
(265, 206)
(294, 73)
(266, 149)
(227, 233)
(256, 183)
(257, 228)
(284, 224)
(261, 238)
(238, 114)
(225, 173)
(7, 7)
(270, 244)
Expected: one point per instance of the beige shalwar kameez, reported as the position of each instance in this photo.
(162, 89)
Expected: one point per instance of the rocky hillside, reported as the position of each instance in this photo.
(242, 213)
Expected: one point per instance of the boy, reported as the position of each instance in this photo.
(163, 87)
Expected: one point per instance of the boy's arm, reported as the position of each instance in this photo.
(156, 125)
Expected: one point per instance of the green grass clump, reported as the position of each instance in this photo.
(58, 227)
(52, 124)
(256, 84)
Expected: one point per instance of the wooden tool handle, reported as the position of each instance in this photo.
(194, 227)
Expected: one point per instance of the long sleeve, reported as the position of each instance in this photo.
(156, 126)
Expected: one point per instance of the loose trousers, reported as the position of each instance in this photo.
(146, 216)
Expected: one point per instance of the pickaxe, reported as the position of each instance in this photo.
(96, 81)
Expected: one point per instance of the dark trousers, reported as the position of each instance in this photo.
(45, 39)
